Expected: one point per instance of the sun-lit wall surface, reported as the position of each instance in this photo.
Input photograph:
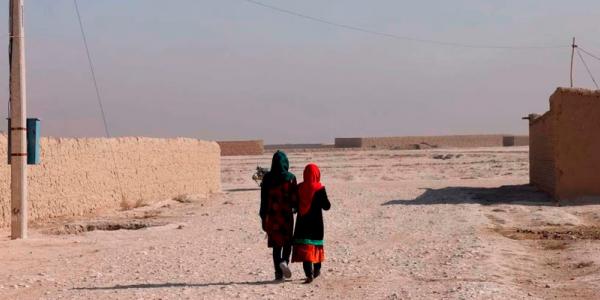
(565, 145)
(80, 176)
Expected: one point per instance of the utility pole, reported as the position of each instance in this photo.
(18, 116)
(573, 46)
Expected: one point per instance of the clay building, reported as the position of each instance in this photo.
(565, 145)
(235, 148)
(427, 142)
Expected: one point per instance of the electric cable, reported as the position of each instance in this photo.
(394, 36)
(587, 69)
(98, 97)
(588, 53)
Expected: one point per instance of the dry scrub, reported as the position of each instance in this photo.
(556, 233)
(109, 225)
(130, 204)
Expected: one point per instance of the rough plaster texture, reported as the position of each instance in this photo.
(294, 147)
(348, 143)
(418, 142)
(77, 176)
(565, 145)
(577, 129)
(541, 154)
(233, 148)
(515, 140)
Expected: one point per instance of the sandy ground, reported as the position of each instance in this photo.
(404, 225)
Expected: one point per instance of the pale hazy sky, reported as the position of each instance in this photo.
(228, 69)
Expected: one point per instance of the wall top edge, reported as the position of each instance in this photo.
(577, 91)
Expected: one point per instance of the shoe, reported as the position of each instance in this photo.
(317, 273)
(308, 280)
(287, 273)
(278, 277)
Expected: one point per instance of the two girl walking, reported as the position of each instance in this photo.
(281, 197)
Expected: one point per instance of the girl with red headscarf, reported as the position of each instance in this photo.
(308, 236)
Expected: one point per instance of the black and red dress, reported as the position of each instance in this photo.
(309, 234)
(279, 197)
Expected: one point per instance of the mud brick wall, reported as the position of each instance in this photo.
(233, 148)
(577, 148)
(275, 147)
(78, 176)
(348, 143)
(516, 140)
(542, 164)
(416, 142)
(522, 140)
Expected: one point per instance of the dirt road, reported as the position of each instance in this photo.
(434, 224)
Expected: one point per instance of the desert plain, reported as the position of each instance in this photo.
(425, 224)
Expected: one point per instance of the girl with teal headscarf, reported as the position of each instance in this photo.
(279, 199)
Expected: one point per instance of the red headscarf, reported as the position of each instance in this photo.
(308, 188)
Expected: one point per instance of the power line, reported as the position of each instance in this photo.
(588, 69)
(99, 98)
(394, 36)
(92, 70)
(588, 53)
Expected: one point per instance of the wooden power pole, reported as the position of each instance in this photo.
(573, 46)
(18, 128)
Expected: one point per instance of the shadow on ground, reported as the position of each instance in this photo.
(513, 194)
(176, 285)
(242, 190)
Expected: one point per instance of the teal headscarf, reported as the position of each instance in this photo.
(280, 167)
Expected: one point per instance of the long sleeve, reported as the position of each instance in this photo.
(325, 204)
(294, 197)
(263, 200)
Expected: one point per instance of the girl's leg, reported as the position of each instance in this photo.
(284, 260)
(317, 270)
(287, 251)
(276, 261)
(308, 269)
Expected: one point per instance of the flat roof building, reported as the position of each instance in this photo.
(565, 145)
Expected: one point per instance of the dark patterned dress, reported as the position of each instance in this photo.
(278, 203)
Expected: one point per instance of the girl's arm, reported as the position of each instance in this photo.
(295, 196)
(325, 204)
(263, 200)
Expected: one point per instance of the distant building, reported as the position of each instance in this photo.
(428, 142)
(234, 148)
